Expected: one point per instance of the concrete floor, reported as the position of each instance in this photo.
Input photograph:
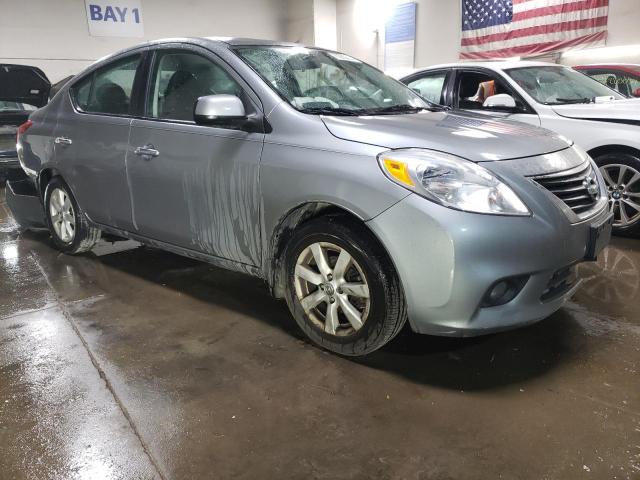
(134, 363)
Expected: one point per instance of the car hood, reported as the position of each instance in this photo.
(24, 84)
(627, 109)
(474, 137)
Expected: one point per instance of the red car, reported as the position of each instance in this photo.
(622, 77)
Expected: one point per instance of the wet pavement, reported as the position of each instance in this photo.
(134, 363)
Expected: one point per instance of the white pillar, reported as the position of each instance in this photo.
(324, 24)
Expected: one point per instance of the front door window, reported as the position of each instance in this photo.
(473, 89)
(179, 79)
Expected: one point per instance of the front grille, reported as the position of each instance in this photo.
(578, 187)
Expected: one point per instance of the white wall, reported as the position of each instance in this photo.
(361, 30)
(623, 29)
(53, 34)
(624, 22)
(299, 21)
(324, 24)
(437, 32)
(357, 30)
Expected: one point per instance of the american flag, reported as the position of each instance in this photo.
(515, 28)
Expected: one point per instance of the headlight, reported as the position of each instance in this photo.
(450, 181)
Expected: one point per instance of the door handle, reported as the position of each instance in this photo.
(62, 141)
(146, 151)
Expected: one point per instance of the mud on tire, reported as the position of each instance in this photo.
(385, 314)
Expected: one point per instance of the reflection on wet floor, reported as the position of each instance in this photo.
(611, 285)
(130, 362)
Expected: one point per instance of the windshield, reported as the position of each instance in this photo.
(329, 83)
(559, 85)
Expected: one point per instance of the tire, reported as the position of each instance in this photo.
(610, 165)
(78, 239)
(382, 314)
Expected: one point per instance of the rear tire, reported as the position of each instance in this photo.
(621, 172)
(70, 229)
(354, 304)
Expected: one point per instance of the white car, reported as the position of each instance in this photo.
(598, 119)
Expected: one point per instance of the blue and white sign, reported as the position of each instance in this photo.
(115, 18)
(400, 37)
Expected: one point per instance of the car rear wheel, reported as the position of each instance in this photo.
(70, 230)
(621, 172)
(342, 289)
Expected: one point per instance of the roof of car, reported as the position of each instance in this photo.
(609, 65)
(233, 41)
(494, 65)
(250, 41)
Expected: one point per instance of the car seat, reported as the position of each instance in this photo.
(111, 98)
(180, 96)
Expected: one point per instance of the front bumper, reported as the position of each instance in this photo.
(448, 260)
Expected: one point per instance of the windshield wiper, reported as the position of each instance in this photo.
(393, 109)
(330, 111)
(365, 111)
(574, 100)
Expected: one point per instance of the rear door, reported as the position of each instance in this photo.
(91, 139)
(471, 87)
(199, 189)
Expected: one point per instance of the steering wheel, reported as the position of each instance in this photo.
(328, 91)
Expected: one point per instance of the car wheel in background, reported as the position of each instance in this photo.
(621, 172)
(342, 289)
(70, 230)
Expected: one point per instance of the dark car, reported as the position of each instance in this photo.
(624, 78)
(23, 89)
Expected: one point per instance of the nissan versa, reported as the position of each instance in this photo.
(357, 201)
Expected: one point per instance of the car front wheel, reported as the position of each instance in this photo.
(342, 289)
(70, 230)
(621, 172)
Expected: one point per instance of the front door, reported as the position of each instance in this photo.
(195, 186)
(473, 87)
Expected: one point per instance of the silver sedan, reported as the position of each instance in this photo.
(355, 199)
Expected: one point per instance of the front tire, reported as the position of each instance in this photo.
(621, 172)
(70, 230)
(342, 289)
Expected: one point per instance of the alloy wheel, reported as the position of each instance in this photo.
(63, 217)
(332, 288)
(623, 186)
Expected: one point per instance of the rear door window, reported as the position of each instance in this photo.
(109, 89)
(430, 86)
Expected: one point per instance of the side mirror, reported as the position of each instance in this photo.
(636, 92)
(500, 101)
(219, 110)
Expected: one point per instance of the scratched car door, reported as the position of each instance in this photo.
(199, 187)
